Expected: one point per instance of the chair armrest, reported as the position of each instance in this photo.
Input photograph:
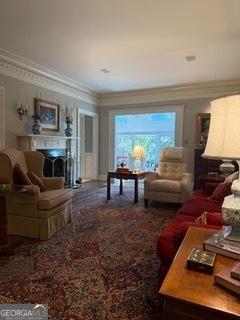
(31, 195)
(150, 176)
(53, 183)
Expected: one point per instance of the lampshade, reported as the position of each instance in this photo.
(138, 152)
(223, 139)
(224, 143)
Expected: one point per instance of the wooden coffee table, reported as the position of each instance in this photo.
(124, 176)
(192, 295)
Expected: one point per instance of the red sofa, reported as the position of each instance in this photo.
(171, 237)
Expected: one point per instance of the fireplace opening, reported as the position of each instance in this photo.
(54, 164)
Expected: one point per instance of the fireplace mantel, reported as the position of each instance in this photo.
(32, 142)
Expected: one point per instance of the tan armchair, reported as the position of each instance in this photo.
(170, 183)
(33, 213)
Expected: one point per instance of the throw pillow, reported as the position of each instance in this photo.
(222, 190)
(36, 180)
(210, 187)
(19, 176)
(202, 219)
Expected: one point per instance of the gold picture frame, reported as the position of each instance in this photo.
(49, 113)
(202, 128)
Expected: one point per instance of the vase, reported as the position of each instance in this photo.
(68, 130)
(36, 128)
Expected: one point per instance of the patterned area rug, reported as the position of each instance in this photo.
(103, 265)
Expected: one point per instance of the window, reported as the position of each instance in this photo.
(153, 131)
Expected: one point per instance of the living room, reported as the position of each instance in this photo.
(68, 70)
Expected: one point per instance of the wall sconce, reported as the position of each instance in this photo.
(22, 110)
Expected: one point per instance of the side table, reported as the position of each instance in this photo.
(5, 246)
(124, 176)
(192, 295)
(204, 178)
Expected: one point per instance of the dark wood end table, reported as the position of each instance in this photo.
(5, 246)
(124, 176)
(205, 178)
(192, 295)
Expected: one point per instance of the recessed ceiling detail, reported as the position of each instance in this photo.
(146, 44)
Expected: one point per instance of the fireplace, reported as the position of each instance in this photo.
(58, 164)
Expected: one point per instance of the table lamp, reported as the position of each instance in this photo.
(224, 143)
(138, 153)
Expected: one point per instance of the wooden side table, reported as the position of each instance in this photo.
(204, 178)
(192, 295)
(124, 176)
(5, 246)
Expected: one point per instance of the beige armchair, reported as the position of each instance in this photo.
(33, 213)
(170, 183)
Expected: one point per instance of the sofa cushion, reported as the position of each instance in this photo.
(210, 188)
(222, 190)
(53, 198)
(162, 185)
(195, 207)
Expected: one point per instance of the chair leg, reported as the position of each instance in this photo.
(146, 202)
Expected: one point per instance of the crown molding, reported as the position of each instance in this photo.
(211, 89)
(19, 68)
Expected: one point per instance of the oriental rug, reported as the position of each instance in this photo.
(103, 265)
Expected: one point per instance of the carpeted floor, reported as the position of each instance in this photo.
(101, 266)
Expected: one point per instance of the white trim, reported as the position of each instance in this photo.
(46, 136)
(2, 118)
(81, 135)
(22, 69)
(210, 89)
(178, 109)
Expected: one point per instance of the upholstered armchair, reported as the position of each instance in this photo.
(34, 213)
(170, 183)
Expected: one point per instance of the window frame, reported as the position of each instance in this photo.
(178, 109)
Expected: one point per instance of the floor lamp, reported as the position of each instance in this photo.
(224, 143)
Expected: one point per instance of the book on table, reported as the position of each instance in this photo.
(235, 271)
(219, 244)
(224, 278)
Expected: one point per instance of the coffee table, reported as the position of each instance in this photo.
(192, 295)
(124, 176)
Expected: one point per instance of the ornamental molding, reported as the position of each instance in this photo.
(182, 93)
(16, 67)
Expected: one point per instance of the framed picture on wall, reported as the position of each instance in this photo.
(49, 113)
(202, 128)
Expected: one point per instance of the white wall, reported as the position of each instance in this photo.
(23, 92)
(2, 118)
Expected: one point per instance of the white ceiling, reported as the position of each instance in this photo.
(142, 42)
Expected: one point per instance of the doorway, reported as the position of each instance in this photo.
(88, 124)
